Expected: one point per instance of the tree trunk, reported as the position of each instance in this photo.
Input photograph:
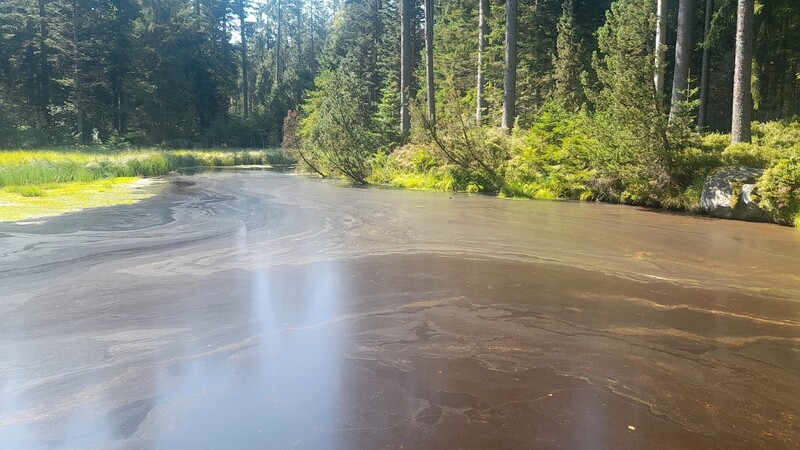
(510, 79)
(405, 66)
(76, 75)
(703, 110)
(661, 42)
(431, 88)
(245, 68)
(742, 99)
(298, 88)
(44, 65)
(278, 40)
(377, 32)
(683, 56)
(483, 31)
(311, 33)
(123, 114)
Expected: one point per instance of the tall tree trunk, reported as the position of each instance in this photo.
(431, 88)
(742, 99)
(703, 110)
(405, 66)
(123, 115)
(44, 65)
(298, 86)
(278, 41)
(683, 56)
(483, 31)
(377, 32)
(245, 64)
(311, 33)
(76, 75)
(661, 42)
(510, 79)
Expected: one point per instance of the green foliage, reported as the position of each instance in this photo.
(567, 64)
(779, 189)
(715, 142)
(750, 155)
(555, 159)
(339, 135)
(478, 153)
(416, 166)
(631, 122)
(780, 135)
(342, 127)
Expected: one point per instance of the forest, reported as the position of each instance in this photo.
(630, 101)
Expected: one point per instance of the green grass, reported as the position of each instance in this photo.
(16, 203)
(55, 181)
(31, 168)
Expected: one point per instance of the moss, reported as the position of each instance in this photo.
(736, 192)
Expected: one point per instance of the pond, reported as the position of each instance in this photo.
(243, 309)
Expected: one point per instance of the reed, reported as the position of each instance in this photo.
(67, 165)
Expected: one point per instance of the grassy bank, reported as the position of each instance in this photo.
(27, 202)
(55, 181)
(26, 167)
(565, 157)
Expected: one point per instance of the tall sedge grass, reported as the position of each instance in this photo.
(24, 168)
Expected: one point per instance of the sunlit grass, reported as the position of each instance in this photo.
(52, 182)
(25, 167)
(59, 198)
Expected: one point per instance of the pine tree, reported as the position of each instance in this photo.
(567, 63)
(636, 126)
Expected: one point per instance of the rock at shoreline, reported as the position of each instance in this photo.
(730, 193)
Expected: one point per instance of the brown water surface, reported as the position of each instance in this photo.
(260, 310)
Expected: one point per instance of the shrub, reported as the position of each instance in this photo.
(715, 142)
(779, 189)
(750, 155)
(554, 159)
(777, 134)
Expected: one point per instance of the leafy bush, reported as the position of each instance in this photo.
(476, 152)
(783, 134)
(750, 155)
(414, 167)
(555, 159)
(338, 133)
(779, 189)
(715, 142)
